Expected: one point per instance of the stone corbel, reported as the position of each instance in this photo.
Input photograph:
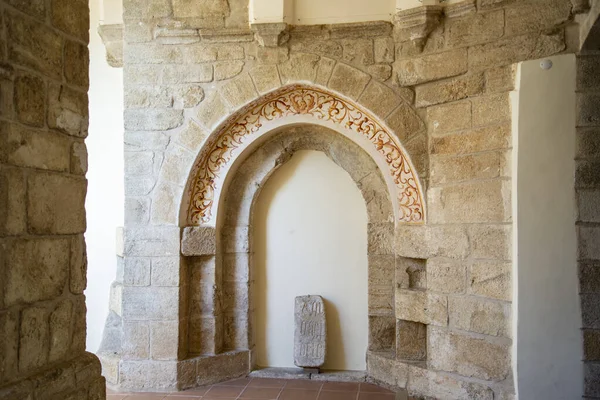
(272, 34)
(112, 37)
(416, 24)
(580, 6)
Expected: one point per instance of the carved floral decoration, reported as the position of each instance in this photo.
(300, 100)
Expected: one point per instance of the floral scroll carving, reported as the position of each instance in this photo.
(220, 151)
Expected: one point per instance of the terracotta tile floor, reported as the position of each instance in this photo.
(270, 389)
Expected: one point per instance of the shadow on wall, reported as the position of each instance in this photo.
(310, 237)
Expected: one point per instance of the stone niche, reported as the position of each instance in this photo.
(416, 111)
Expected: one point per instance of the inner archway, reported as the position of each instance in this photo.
(310, 237)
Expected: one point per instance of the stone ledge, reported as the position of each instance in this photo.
(112, 37)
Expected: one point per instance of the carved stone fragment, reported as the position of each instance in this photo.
(310, 332)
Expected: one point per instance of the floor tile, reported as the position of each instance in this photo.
(266, 382)
(303, 384)
(345, 386)
(376, 396)
(197, 392)
(146, 396)
(224, 391)
(179, 397)
(368, 387)
(298, 394)
(236, 382)
(260, 393)
(114, 396)
(340, 395)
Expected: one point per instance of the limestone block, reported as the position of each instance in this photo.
(71, 17)
(310, 333)
(212, 110)
(588, 243)
(357, 51)
(235, 239)
(116, 298)
(189, 8)
(188, 73)
(480, 316)
(450, 90)
(501, 79)
(589, 206)
(236, 297)
(227, 69)
(148, 375)
(449, 117)
(166, 271)
(446, 276)
(449, 241)
(588, 142)
(176, 165)
(536, 16)
(238, 91)
(142, 74)
(412, 241)
(192, 136)
(198, 241)
(320, 47)
(483, 27)
(384, 368)
(491, 279)
(591, 344)
(143, 9)
(381, 300)
(381, 269)
(68, 111)
(511, 50)
(143, 303)
(137, 210)
(77, 64)
(236, 267)
(202, 335)
(446, 170)
(491, 241)
(411, 341)
(60, 330)
(164, 340)
(146, 141)
(588, 68)
(431, 67)
(382, 72)
(139, 185)
(324, 71)
(9, 347)
(420, 306)
(151, 241)
(204, 298)
(113, 36)
(30, 100)
(222, 367)
(270, 55)
(153, 119)
(265, 78)
(587, 107)
(13, 210)
(590, 314)
(34, 341)
(79, 158)
(35, 270)
(235, 331)
(147, 97)
(35, 45)
(380, 99)
(165, 204)
(445, 386)
(381, 238)
(348, 80)
(187, 96)
(382, 333)
(35, 8)
(404, 122)
(586, 175)
(139, 163)
(490, 110)
(481, 139)
(300, 67)
(480, 202)
(136, 272)
(110, 367)
(384, 50)
(379, 206)
(469, 356)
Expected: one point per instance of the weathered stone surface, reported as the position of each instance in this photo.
(68, 111)
(588, 239)
(72, 17)
(188, 73)
(13, 210)
(79, 158)
(9, 348)
(588, 68)
(324, 71)
(153, 120)
(381, 269)
(151, 241)
(310, 333)
(35, 8)
(222, 367)
(192, 136)
(300, 67)
(166, 271)
(410, 274)
(485, 201)
(382, 333)
(491, 241)
(431, 67)
(202, 336)
(446, 170)
(489, 110)
(227, 69)
(176, 165)
(212, 110)
(450, 90)
(404, 122)
(165, 200)
(348, 81)
(478, 28)
(491, 279)
(164, 340)
(501, 79)
(468, 356)
(236, 268)
(265, 78)
(411, 341)
(384, 49)
(481, 139)
(60, 330)
(239, 91)
(380, 99)
(235, 297)
(446, 276)
(198, 241)
(449, 117)
(445, 386)
(423, 307)
(78, 265)
(55, 204)
(30, 100)
(136, 271)
(381, 238)
(77, 64)
(481, 316)
(536, 16)
(147, 96)
(137, 210)
(384, 368)
(326, 48)
(358, 51)
(235, 240)
(34, 340)
(148, 375)
(382, 72)
(144, 303)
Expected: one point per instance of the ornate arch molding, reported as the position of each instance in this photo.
(309, 103)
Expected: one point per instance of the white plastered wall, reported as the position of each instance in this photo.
(548, 346)
(310, 237)
(105, 197)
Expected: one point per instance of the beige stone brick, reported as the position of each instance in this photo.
(348, 80)
(383, 367)
(164, 340)
(449, 241)
(411, 341)
(381, 238)
(9, 346)
(380, 99)
(481, 139)
(491, 241)
(68, 111)
(79, 158)
(156, 119)
(478, 315)
(382, 333)
(176, 165)
(272, 55)
(381, 300)
(420, 306)
(151, 241)
(136, 340)
(236, 297)
(483, 27)
(381, 269)
(265, 78)
(166, 199)
(192, 136)
(450, 90)
(144, 303)
(187, 96)
(148, 96)
(325, 48)
(190, 8)
(381, 72)
(166, 271)
(588, 239)
(60, 330)
(511, 50)
(198, 241)
(77, 61)
(55, 204)
(35, 8)
(136, 272)
(446, 276)
(34, 341)
(501, 79)
(536, 16)
(491, 279)
(431, 67)
(239, 91)
(227, 69)
(357, 51)
(78, 265)
(202, 335)
(235, 239)
(13, 211)
(141, 74)
(212, 110)
(236, 267)
(144, 9)
(482, 201)
(491, 110)
(384, 49)
(300, 67)
(34, 45)
(30, 100)
(468, 356)
(72, 17)
(446, 170)
(404, 122)
(324, 71)
(445, 386)
(449, 117)
(188, 73)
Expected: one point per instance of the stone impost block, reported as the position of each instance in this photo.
(416, 24)
(491, 279)
(144, 303)
(198, 241)
(271, 34)
(35, 270)
(382, 367)
(112, 37)
(469, 356)
(441, 385)
(420, 306)
(480, 316)
(152, 241)
(491, 241)
(153, 119)
(380, 99)
(451, 90)
(431, 67)
(446, 276)
(222, 367)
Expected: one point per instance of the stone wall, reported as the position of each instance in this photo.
(43, 162)
(439, 79)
